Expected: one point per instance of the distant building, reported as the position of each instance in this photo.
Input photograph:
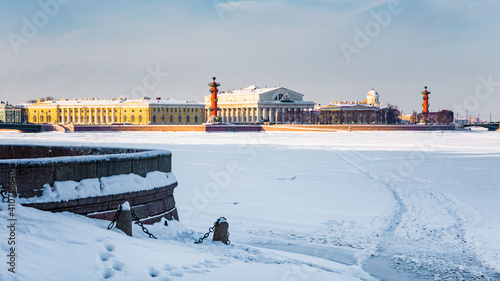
(353, 112)
(256, 105)
(406, 119)
(10, 113)
(143, 111)
(469, 120)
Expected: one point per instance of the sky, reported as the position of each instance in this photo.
(326, 50)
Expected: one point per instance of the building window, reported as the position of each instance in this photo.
(124, 118)
(163, 118)
(196, 118)
(171, 119)
(34, 119)
(140, 119)
(180, 119)
(132, 118)
(154, 118)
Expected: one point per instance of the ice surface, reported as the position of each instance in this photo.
(301, 206)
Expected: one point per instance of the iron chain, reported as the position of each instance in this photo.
(4, 193)
(139, 223)
(112, 223)
(210, 230)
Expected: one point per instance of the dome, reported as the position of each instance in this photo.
(372, 93)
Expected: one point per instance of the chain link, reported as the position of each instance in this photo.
(4, 192)
(138, 222)
(112, 223)
(210, 230)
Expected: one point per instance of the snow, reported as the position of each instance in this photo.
(126, 206)
(67, 190)
(85, 158)
(300, 206)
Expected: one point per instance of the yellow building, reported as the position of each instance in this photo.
(143, 111)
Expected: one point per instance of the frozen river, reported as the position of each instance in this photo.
(363, 205)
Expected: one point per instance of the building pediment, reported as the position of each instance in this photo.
(281, 94)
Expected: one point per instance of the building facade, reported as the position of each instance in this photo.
(256, 105)
(354, 112)
(10, 113)
(143, 111)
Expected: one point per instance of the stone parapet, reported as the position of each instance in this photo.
(33, 167)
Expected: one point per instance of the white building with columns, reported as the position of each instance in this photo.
(257, 105)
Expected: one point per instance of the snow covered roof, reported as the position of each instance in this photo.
(252, 87)
(349, 106)
(120, 101)
(255, 90)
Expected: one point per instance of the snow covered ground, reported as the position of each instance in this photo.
(300, 206)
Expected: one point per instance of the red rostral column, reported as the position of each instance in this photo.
(213, 104)
(425, 104)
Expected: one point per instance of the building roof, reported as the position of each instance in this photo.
(372, 93)
(255, 90)
(109, 102)
(349, 106)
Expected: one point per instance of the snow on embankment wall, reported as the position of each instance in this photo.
(92, 181)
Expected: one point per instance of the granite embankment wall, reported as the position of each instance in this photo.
(357, 127)
(32, 167)
(243, 128)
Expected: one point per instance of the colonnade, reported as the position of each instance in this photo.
(88, 115)
(256, 114)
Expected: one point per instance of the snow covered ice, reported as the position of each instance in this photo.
(300, 206)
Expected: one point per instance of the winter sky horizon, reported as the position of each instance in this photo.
(327, 50)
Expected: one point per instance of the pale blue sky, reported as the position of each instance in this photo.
(105, 48)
